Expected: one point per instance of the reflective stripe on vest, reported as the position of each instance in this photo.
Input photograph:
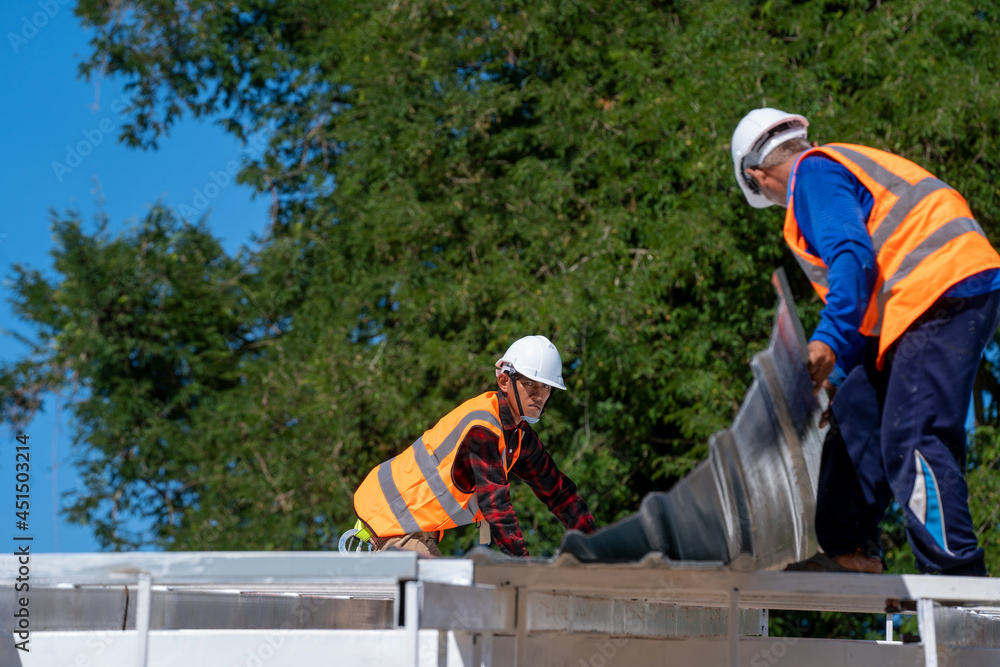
(908, 197)
(428, 465)
(816, 273)
(914, 216)
(396, 502)
(381, 490)
(949, 231)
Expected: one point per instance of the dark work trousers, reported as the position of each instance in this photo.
(900, 432)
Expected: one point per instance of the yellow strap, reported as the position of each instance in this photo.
(363, 534)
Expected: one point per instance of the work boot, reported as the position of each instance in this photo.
(859, 562)
(853, 562)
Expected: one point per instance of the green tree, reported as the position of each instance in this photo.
(150, 330)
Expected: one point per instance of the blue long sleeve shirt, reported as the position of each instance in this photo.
(832, 208)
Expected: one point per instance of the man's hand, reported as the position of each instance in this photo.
(821, 363)
(831, 391)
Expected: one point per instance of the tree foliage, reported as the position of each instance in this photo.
(446, 177)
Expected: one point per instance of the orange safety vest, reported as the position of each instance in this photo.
(923, 232)
(416, 490)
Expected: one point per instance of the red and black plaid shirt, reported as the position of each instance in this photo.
(479, 467)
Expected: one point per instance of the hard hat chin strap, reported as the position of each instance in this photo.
(514, 377)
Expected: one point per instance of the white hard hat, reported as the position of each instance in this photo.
(759, 133)
(534, 357)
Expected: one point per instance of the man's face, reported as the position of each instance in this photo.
(533, 395)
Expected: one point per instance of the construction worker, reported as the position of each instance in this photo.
(456, 473)
(909, 283)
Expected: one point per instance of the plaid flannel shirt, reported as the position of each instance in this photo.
(479, 468)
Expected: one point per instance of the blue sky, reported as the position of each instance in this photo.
(60, 150)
